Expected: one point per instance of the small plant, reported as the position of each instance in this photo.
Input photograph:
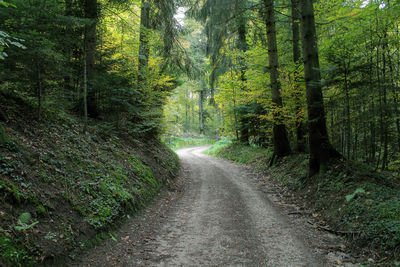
(358, 191)
(13, 254)
(23, 222)
(50, 235)
(41, 210)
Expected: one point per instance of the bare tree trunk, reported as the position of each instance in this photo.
(242, 45)
(90, 47)
(144, 44)
(386, 113)
(281, 142)
(321, 150)
(300, 131)
(348, 120)
(201, 111)
(372, 144)
(85, 83)
(39, 91)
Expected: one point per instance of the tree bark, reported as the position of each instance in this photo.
(85, 91)
(242, 46)
(300, 131)
(201, 111)
(90, 48)
(144, 44)
(321, 150)
(347, 100)
(39, 91)
(281, 142)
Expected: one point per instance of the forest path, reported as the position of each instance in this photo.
(216, 216)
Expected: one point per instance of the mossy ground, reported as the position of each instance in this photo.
(351, 198)
(75, 186)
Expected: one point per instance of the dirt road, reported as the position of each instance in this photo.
(219, 217)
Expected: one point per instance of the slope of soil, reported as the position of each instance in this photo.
(61, 190)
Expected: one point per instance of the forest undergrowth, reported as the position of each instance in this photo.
(61, 191)
(348, 199)
(178, 142)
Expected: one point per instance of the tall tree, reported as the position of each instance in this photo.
(321, 150)
(90, 44)
(281, 142)
(144, 43)
(242, 46)
(297, 90)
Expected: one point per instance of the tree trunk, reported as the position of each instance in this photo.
(201, 111)
(90, 48)
(281, 142)
(39, 91)
(300, 131)
(348, 119)
(386, 113)
(321, 150)
(242, 45)
(85, 91)
(144, 44)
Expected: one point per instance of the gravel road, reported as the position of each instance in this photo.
(219, 217)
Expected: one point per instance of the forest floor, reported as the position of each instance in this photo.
(218, 213)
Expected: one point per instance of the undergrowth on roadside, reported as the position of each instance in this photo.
(176, 142)
(352, 198)
(237, 152)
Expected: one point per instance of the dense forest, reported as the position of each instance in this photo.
(290, 75)
(283, 73)
(317, 78)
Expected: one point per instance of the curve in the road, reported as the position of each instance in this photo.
(223, 219)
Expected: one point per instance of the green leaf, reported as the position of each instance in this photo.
(112, 236)
(357, 191)
(24, 218)
(25, 227)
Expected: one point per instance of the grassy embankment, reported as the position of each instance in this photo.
(62, 191)
(351, 198)
(176, 142)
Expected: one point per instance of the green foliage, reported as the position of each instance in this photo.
(41, 210)
(215, 148)
(13, 254)
(176, 143)
(23, 222)
(358, 191)
(6, 40)
(24, 218)
(9, 189)
(238, 153)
